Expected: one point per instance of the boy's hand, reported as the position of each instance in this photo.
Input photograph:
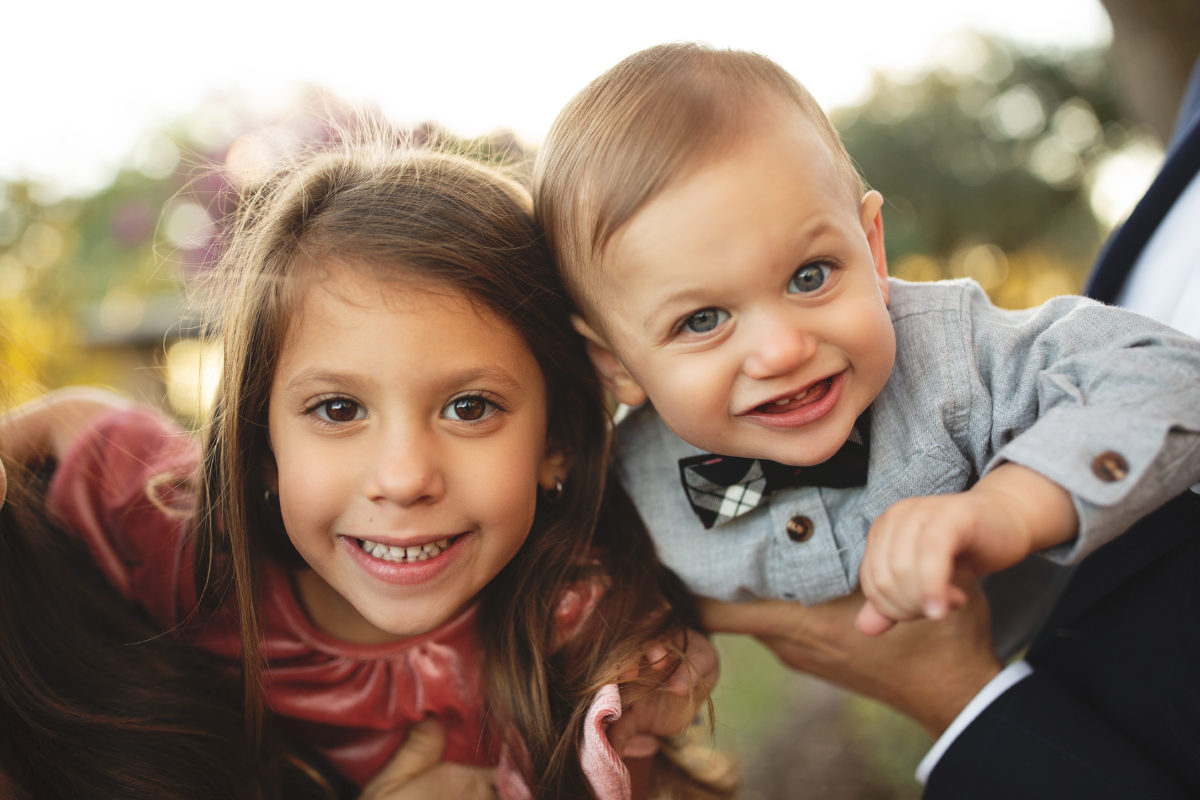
(922, 548)
(671, 708)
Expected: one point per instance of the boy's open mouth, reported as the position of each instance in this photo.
(810, 395)
(405, 554)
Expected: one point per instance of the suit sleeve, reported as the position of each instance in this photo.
(1038, 740)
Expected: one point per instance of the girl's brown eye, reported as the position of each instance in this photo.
(469, 408)
(340, 410)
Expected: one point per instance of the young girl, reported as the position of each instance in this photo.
(397, 501)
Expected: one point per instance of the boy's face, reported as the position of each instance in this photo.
(748, 301)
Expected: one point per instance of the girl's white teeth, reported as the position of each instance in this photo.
(415, 553)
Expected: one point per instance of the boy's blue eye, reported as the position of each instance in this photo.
(339, 409)
(705, 320)
(809, 278)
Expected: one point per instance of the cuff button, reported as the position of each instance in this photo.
(1110, 466)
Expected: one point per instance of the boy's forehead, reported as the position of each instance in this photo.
(776, 125)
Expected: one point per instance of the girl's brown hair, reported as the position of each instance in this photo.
(421, 216)
(641, 125)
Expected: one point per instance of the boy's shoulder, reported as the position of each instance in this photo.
(908, 298)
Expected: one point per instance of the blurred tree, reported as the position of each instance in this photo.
(985, 165)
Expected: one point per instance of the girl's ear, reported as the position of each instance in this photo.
(871, 216)
(614, 377)
(271, 475)
(554, 468)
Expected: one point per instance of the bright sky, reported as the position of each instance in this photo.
(84, 81)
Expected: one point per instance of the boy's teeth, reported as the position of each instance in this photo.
(404, 554)
(811, 394)
(816, 387)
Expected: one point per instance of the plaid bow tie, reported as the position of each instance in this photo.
(721, 488)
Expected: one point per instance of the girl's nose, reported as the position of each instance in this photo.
(779, 344)
(406, 472)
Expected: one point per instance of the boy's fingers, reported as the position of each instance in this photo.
(871, 621)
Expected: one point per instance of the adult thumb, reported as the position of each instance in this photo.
(422, 750)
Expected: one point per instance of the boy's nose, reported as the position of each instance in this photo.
(779, 346)
(406, 472)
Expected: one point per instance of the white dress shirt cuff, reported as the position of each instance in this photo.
(1010, 675)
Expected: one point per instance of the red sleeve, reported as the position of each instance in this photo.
(117, 490)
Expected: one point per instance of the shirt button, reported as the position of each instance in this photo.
(1110, 466)
(799, 528)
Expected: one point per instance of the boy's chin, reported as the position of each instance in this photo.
(810, 455)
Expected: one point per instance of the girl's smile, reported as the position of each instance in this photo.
(408, 565)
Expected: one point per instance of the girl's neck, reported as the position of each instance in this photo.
(333, 614)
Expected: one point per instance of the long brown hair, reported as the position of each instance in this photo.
(415, 214)
(639, 126)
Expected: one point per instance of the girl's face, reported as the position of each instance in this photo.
(408, 427)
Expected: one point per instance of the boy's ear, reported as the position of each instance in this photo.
(613, 376)
(871, 216)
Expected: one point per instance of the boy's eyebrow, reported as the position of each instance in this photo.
(667, 306)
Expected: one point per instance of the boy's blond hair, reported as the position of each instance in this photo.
(642, 124)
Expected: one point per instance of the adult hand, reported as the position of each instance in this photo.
(928, 670)
(671, 708)
(417, 772)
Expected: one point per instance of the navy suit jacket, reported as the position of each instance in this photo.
(1113, 707)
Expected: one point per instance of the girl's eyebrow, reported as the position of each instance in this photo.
(319, 376)
(487, 374)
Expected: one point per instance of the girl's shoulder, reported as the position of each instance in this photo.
(123, 489)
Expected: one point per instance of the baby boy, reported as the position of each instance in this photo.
(729, 267)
